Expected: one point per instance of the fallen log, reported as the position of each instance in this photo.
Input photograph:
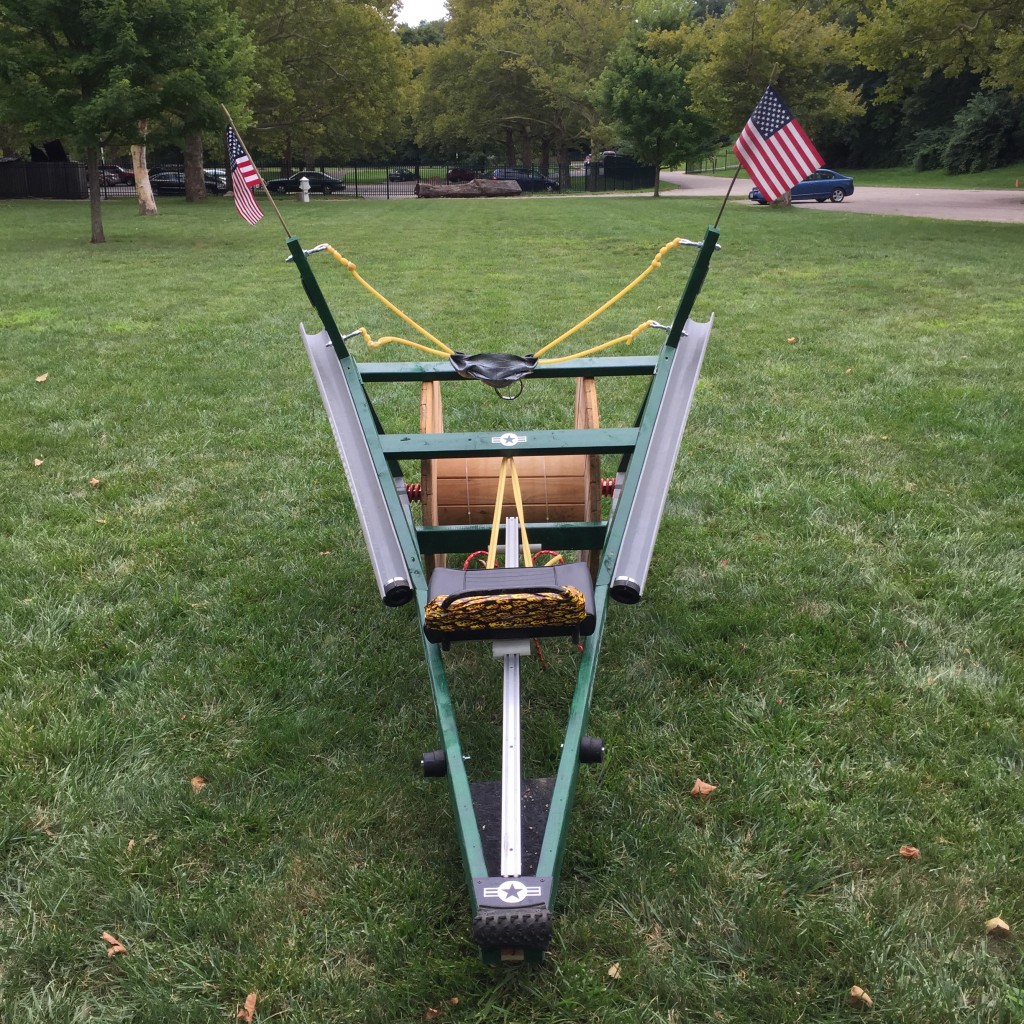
(468, 189)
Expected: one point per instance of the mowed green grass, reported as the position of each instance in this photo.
(831, 633)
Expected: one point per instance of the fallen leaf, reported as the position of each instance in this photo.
(432, 1013)
(454, 1001)
(614, 972)
(114, 944)
(41, 378)
(102, 522)
(702, 788)
(198, 784)
(323, 553)
(997, 927)
(849, 369)
(131, 845)
(858, 997)
(910, 852)
(248, 1009)
(37, 462)
(792, 341)
(883, 437)
(94, 482)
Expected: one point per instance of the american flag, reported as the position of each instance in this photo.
(243, 177)
(773, 149)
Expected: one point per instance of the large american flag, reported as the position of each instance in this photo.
(773, 149)
(243, 177)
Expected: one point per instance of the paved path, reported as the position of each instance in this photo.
(1000, 205)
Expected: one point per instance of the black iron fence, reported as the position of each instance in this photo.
(377, 181)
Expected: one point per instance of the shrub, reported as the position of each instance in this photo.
(982, 134)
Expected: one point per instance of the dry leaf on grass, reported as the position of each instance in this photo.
(910, 852)
(613, 972)
(248, 1009)
(114, 944)
(131, 845)
(198, 783)
(42, 377)
(94, 482)
(702, 788)
(792, 341)
(858, 997)
(432, 1013)
(997, 927)
(37, 462)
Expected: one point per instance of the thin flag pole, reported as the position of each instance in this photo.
(739, 166)
(253, 162)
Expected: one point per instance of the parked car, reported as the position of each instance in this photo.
(821, 185)
(456, 175)
(117, 174)
(318, 182)
(529, 181)
(402, 174)
(172, 183)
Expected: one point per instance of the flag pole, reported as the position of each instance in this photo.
(739, 166)
(287, 231)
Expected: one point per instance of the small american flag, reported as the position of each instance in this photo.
(773, 149)
(243, 177)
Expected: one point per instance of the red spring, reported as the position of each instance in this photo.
(414, 492)
(607, 486)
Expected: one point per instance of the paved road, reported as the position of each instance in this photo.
(1000, 205)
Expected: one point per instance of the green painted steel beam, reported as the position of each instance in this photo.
(614, 366)
(532, 442)
(442, 540)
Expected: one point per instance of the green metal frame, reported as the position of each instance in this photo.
(416, 542)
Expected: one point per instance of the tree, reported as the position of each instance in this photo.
(644, 91)
(911, 39)
(329, 75)
(90, 71)
(801, 51)
(519, 76)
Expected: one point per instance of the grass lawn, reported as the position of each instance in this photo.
(212, 728)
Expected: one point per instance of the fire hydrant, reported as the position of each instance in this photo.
(304, 188)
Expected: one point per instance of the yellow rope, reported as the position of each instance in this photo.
(655, 263)
(508, 466)
(627, 338)
(351, 268)
(444, 350)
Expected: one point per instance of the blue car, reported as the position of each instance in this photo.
(821, 185)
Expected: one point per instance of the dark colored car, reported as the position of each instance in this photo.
(821, 185)
(457, 175)
(529, 181)
(402, 174)
(172, 183)
(318, 182)
(117, 174)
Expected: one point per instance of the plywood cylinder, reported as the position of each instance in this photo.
(555, 488)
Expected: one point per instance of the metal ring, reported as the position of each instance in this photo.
(511, 398)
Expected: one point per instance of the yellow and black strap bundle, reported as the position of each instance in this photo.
(517, 601)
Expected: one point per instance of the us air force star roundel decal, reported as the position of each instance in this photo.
(512, 891)
(509, 439)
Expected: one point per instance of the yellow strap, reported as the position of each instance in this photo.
(508, 465)
(351, 268)
(655, 263)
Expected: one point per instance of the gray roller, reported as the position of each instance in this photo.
(637, 547)
(389, 565)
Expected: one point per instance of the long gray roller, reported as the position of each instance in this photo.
(389, 565)
(634, 558)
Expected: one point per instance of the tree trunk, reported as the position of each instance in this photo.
(286, 160)
(195, 181)
(510, 148)
(657, 180)
(92, 158)
(527, 148)
(468, 190)
(143, 188)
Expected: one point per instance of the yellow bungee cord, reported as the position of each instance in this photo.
(443, 350)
